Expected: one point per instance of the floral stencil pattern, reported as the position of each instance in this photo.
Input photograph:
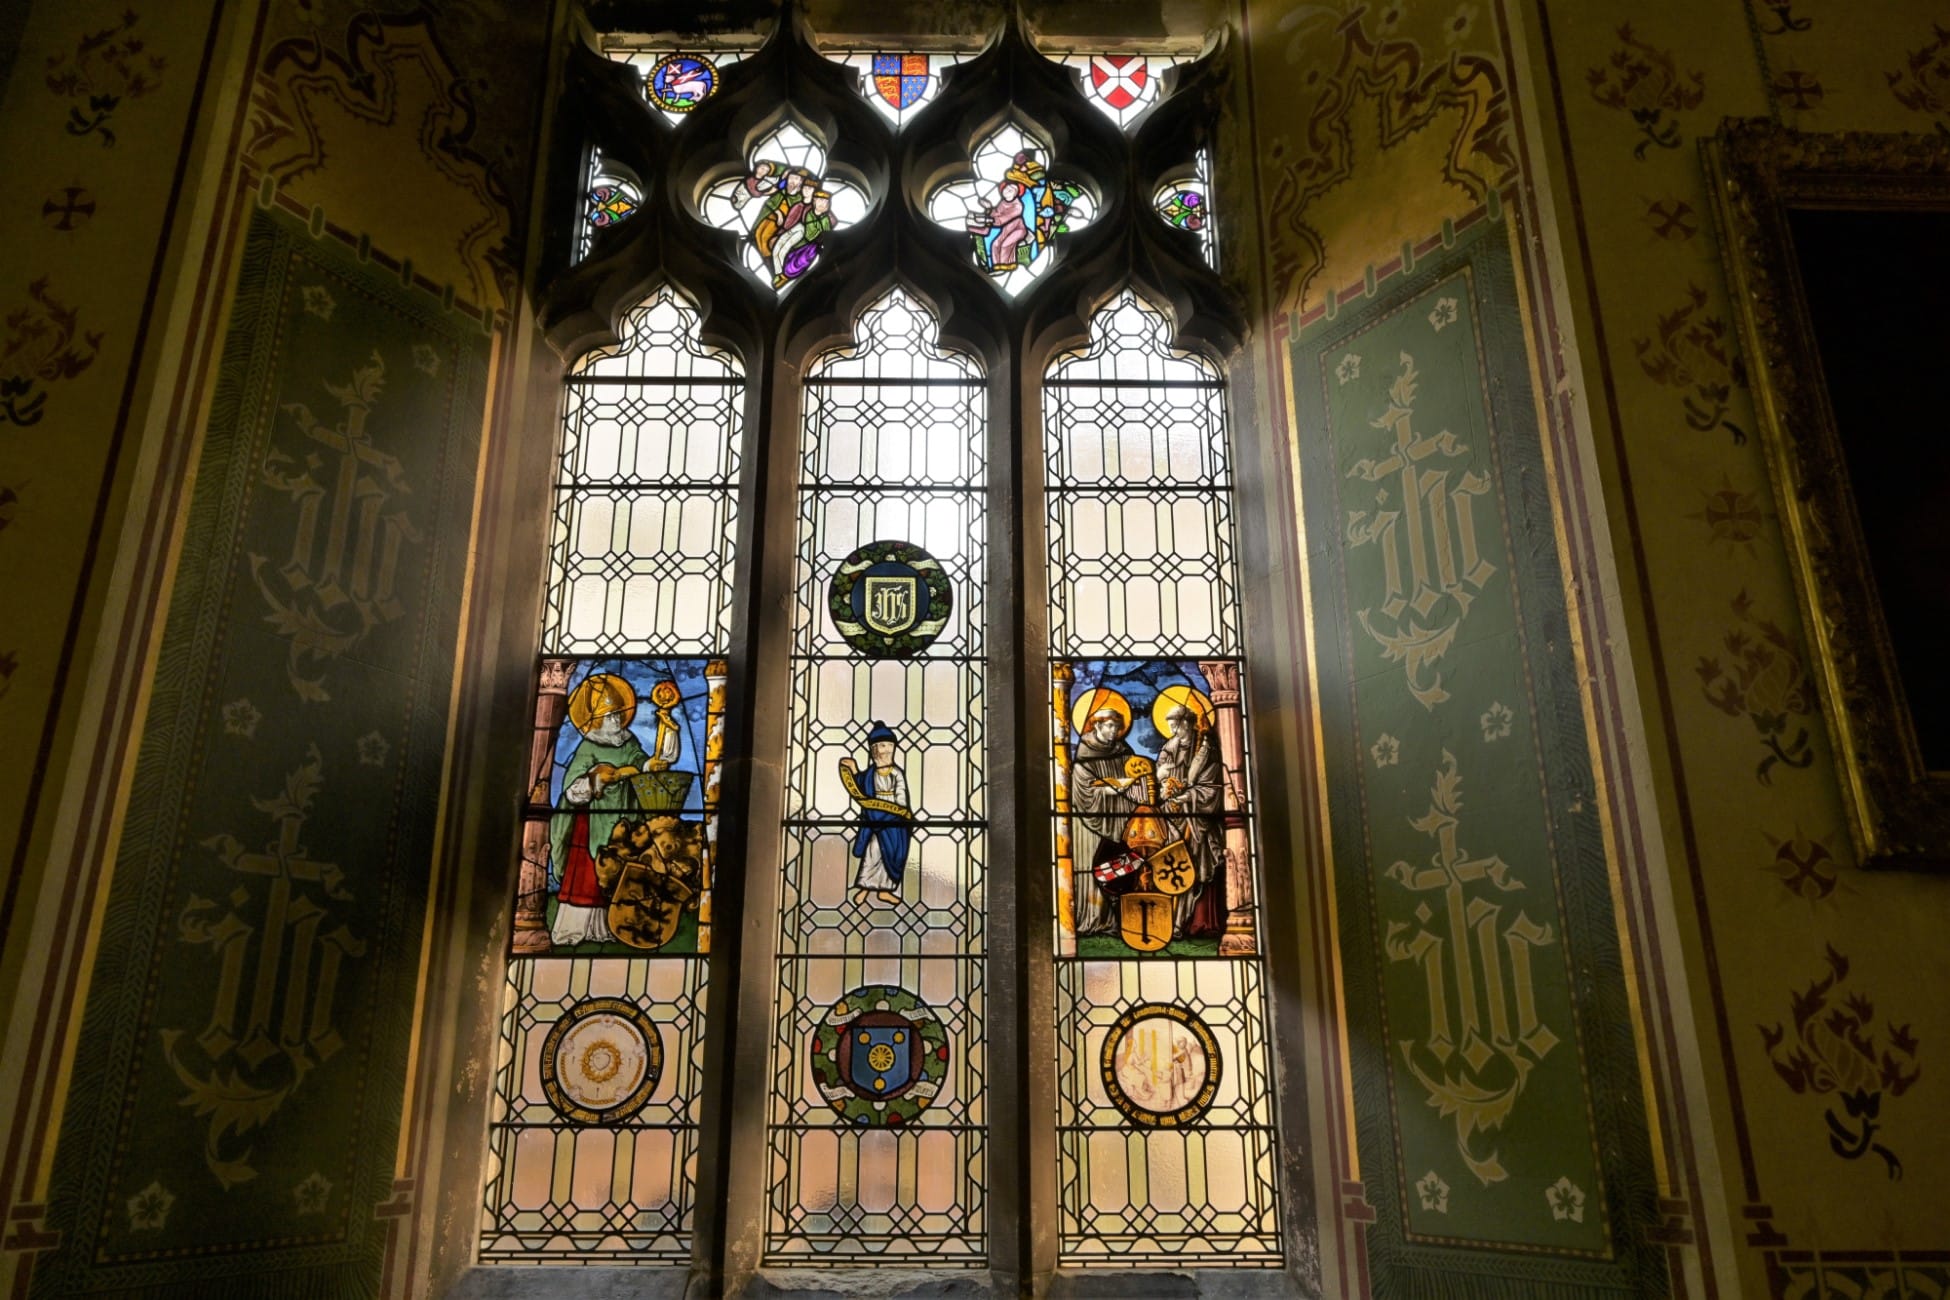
(1693, 351)
(105, 68)
(1922, 83)
(1763, 677)
(40, 349)
(1833, 1049)
(1644, 81)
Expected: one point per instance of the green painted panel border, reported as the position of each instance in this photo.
(238, 1088)
(1509, 688)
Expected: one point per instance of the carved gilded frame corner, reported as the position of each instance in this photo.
(1898, 811)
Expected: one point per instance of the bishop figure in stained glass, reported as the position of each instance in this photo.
(597, 794)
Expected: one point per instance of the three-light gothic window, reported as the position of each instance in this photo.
(945, 755)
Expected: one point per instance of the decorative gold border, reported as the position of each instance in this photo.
(1898, 812)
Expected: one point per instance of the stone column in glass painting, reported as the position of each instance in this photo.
(531, 891)
(1062, 678)
(1223, 676)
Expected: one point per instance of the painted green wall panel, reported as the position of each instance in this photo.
(237, 1092)
(1497, 1096)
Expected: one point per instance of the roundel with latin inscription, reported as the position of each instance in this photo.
(1161, 1065)
(601, 1061)
(890, 599)
(681, 82)
(879, 1056)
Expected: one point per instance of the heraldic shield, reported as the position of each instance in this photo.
(880, 1055)
(1144, 920)
(893, 601)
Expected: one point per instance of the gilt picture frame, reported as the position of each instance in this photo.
(1762, 175)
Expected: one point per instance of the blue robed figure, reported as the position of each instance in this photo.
(885, 818)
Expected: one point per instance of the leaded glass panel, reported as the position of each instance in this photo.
(877, 1124)
(899, 85)
(784, 206)
(1013, 207)
(1186, 204)
(593, 1132)
(1165, 1118)
(677, 82)
(1122, 86)
(610, 197)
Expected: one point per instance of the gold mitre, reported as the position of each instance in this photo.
(600, 695)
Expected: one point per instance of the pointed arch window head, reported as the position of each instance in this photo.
(1013, 208)
(784, 206)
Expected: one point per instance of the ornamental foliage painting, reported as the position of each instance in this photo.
(872, 1013)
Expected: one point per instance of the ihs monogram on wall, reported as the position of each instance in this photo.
(1490, 993)
(1836, 1049)
(338, 583)
(1426, 528)
(271, 1018)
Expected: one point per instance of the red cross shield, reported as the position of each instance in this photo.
(1119, 79)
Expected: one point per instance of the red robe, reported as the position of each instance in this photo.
(579, 886)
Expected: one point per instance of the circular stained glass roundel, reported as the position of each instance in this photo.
(879, 1056)
(890, 599)
(681, 82)
(1161, 1065)
(601, 1061)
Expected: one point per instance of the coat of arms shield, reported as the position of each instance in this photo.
(892, 602)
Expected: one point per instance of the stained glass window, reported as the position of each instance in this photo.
(1186, 203)
(899, 85)
(677, 82)
(611, 196)
(1014, 207)
(783, 206)
(1166, 1136)
(872, 1087)
(593, 1137)
(878, 1122)
(1121, 85)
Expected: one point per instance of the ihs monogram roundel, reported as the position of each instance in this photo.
(879, 1056)
(890, 599)
(601, 1061)
(1161, 1065)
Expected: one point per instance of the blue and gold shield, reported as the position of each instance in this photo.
(880, 1063)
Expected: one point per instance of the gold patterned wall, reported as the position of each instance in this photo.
(142, 143)
(1788, 1001)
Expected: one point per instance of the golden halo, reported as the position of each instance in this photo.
(1096, 701)
(1173, 696)
(598, 696)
